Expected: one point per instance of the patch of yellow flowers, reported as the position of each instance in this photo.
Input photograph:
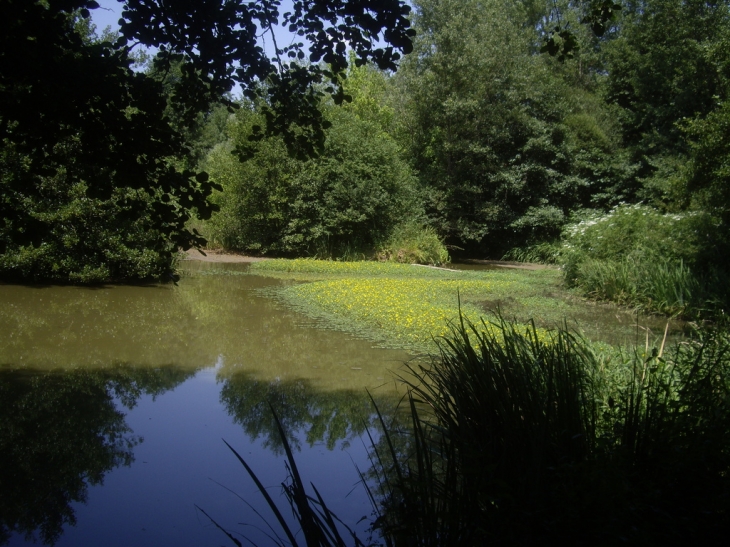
(399, 304)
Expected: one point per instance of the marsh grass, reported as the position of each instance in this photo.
(521, 440)
(319, 525)
(655, 285)
(539, 253)
(518, 439)
(404, 306)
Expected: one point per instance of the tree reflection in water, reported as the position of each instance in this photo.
(61, 432)
(304, 411)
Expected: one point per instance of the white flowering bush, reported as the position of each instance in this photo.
(636, 255)
(637, 232)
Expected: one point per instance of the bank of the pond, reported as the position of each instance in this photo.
(405, 306)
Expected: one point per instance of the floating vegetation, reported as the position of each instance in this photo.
(311, 266)
(397, 305)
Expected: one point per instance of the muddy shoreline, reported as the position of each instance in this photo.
(232, 257)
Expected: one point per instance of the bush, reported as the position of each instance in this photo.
(635, 255)
(67, 236)
(628, 229)
(412, 243)
(340, 203)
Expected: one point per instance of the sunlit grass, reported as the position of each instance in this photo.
(397, 305)
(311, 267)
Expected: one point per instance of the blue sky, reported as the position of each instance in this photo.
(110, 11)
(107, 15)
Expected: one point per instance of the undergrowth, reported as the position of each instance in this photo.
(636, 256)
(521, 439)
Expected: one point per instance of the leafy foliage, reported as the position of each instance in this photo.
(505, 148)
(85, 147)
(635, 255)
(523, 439)
(343, 201)
(76, 117)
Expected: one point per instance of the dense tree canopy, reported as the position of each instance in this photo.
(505, 143)
(512, 118)
(92, 186)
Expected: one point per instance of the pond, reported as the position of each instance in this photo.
(115, 402)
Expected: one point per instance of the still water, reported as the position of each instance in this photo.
(114, 402)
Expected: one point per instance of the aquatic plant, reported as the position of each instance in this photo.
(521, 440)
(348, 268)
(407, 306)
(410, 313)
(320, 526)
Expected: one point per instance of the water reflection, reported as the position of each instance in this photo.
(204, 321)
(79, 369)
(61, 432)
(304, 411)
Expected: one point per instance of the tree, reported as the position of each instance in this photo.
(670, 63)
(505, 146)
(346, 200)
(83, 132)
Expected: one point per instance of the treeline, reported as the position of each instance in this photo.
(499, 149)
(497, 136)
(99, 157)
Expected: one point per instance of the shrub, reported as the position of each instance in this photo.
(626, 229)
(413, 243)
(340, 203)
(638, 256)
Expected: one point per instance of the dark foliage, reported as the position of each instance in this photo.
(79, 126)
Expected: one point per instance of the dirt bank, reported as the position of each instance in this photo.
(220, 256)
(228, 256)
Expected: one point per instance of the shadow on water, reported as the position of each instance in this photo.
(85, 373)
(60, 433)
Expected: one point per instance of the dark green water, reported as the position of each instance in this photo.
(114, 402)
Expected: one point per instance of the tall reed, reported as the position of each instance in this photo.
(654, 284)
(522, 440)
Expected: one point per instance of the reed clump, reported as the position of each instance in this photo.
(520, 440)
